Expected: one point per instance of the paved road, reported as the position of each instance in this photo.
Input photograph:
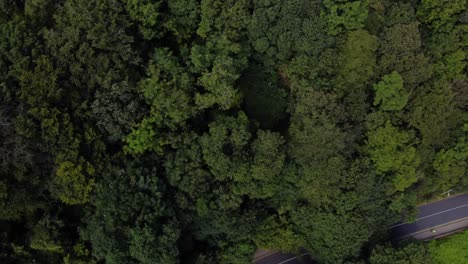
(443, 217)
(275, 257)
(436, 219)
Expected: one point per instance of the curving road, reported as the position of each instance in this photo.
(436, 219)
(433, 220)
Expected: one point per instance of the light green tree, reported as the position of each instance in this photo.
(440, 13)
(450, 166)
(392, 151)
(71, 183)
(390, 93)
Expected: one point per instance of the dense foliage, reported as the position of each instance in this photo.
(196, 131)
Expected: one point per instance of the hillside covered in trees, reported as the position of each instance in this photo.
(196, 131)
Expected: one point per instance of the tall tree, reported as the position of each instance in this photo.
(133, 223)
(390, 93)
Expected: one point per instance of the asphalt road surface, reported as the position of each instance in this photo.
(433, 220)
(282, 258)
(436, 219)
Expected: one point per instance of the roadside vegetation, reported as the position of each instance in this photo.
(196, 131)
(450, 250)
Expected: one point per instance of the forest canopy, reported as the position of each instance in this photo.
(197, 131)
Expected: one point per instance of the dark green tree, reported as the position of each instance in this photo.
(400, 50)
(412, 253)
(91, 44)
(345, 15)
(132, 222)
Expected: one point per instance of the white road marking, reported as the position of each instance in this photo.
(285, 261)
(439, 226)
(265, 256)
(427, 216)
